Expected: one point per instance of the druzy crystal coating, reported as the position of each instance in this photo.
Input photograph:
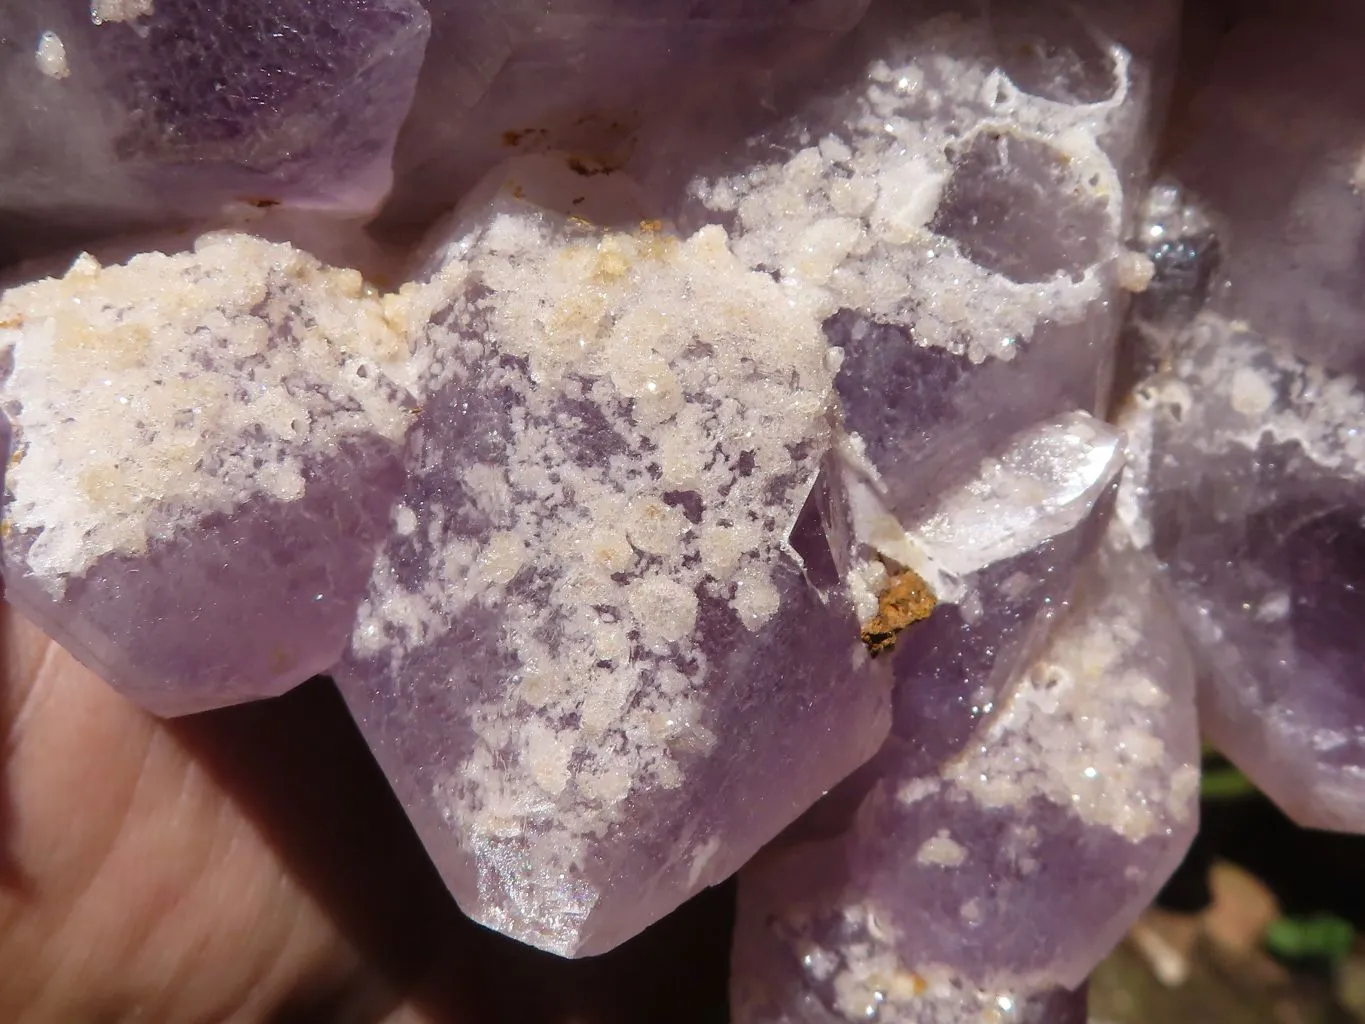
(687, 429)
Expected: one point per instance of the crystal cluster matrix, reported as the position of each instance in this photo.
(788, 438)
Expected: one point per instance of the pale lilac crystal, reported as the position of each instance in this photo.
(588, 660)
(1256, 494)
(239, 606)
(1251, 481)
(204, 457)
(153, 112)
(586, 79)
(973, 222)
(1271, 149)
(1009, 869)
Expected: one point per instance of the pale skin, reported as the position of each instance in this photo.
(251, 865)
(174, 872)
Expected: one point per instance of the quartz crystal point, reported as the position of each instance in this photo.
(1006, 872)
(588, 658)
(204, 453)
(1257, 498)
(124, 113)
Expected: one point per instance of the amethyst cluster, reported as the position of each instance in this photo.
(790, 436)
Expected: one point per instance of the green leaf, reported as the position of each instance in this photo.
(1318, 936)
(1225, 784)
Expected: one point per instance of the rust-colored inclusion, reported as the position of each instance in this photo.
(906, 600)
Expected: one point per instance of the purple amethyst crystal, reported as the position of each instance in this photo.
(730, 458)
(966, 228)
(1251, 482)
(588, 658)
(1006, 871)
(122, 113)
(204, 456)
(1257, 492)
(1275, 160)
(586, 80)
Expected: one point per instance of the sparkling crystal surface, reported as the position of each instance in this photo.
(1009, 868)
(1257, 492)
(204, 456)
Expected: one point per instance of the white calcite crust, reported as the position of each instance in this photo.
(203, 451)
(863, 208)
(148, 395)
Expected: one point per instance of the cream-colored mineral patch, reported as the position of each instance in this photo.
(1234, 390)
(51, 56)
(941, 850)
(104, 11)
(149, 394)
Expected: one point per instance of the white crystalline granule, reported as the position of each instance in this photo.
(869, 980)
(848, 215)
(700, 377)
(1251, 394)
(51, 56)
(147, 395)
(102, 11)
(941, 850)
